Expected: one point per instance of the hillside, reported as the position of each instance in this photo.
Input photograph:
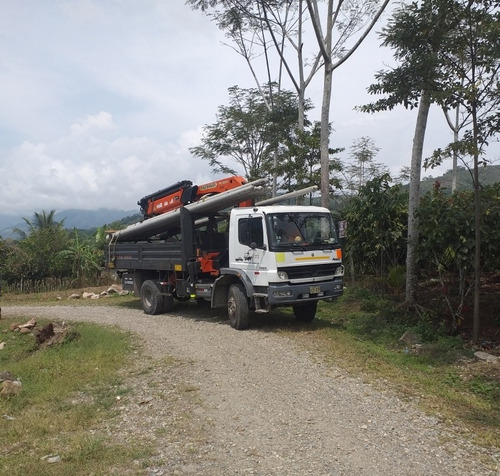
(487, 176)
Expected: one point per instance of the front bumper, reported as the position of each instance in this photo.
(279, 294)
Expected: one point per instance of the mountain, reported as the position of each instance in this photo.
(86, 219)
(81, 219)
(487, 176)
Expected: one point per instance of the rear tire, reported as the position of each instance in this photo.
(151, 298)
(237, 307)
(305, 312)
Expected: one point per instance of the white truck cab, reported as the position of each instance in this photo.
(285, 255)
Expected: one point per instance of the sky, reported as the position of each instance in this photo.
(100, 101)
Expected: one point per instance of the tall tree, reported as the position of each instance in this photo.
(347, 18)
(281, 23)
(417, 33)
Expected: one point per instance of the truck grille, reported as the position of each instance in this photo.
(301, 272)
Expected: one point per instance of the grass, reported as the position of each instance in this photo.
(67, 391)
(361, 333)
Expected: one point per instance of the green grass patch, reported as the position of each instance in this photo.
(67, 391)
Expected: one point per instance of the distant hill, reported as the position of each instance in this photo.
(81, 219)
(487, 176)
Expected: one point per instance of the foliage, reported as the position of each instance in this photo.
(362, 167)
(376, 226)
(247, 132)
(48, 253)
(84, 258)
(447, 242)
(298, 163)
(471, 64)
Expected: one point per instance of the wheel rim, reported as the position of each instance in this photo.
(147, 298)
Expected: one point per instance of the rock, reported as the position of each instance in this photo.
(29, 325)
(87, 295)
(14, 326)
(486, 357)
(124, 293)
(52, 458)
(2, 345)
(74, 296)
(10, 388)
(114, 288)
(25, 330)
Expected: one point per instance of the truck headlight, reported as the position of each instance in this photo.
(282, 275)
(340, 270)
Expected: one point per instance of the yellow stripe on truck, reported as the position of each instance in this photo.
(311, 258)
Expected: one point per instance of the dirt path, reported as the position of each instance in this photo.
(267, 407)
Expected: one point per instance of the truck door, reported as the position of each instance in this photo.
(248, 251)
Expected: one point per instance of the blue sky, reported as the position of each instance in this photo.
(101, 99)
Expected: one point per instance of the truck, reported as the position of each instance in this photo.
(242, 258)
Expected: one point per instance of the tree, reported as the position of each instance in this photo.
(251, 23)
(472, 63)
(248, 133)
(448, 242)
(347, 18)
(417, 33)
(362, 167)
(83, 258)
(376, 220)
(38, 250)
(299, 164)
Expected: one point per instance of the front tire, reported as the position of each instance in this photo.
(151, 298)
(237, 307)
(305, 312)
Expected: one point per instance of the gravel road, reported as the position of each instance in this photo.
(269, 407)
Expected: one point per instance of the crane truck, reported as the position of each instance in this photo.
(215, 249)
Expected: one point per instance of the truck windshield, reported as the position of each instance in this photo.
(301, 230)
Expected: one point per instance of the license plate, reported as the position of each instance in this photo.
(314, 289)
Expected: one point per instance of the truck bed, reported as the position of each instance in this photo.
(146, 255)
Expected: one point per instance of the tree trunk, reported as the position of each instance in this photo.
(413, 222)
(477, 230)
(325, 137)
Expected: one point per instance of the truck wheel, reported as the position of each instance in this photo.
(305, 312)
(237, 307)
(151, 298)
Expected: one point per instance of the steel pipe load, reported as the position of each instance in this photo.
(211, 204)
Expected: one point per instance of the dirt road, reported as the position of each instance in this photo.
(265, 406)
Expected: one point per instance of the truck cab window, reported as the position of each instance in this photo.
(250, 230)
